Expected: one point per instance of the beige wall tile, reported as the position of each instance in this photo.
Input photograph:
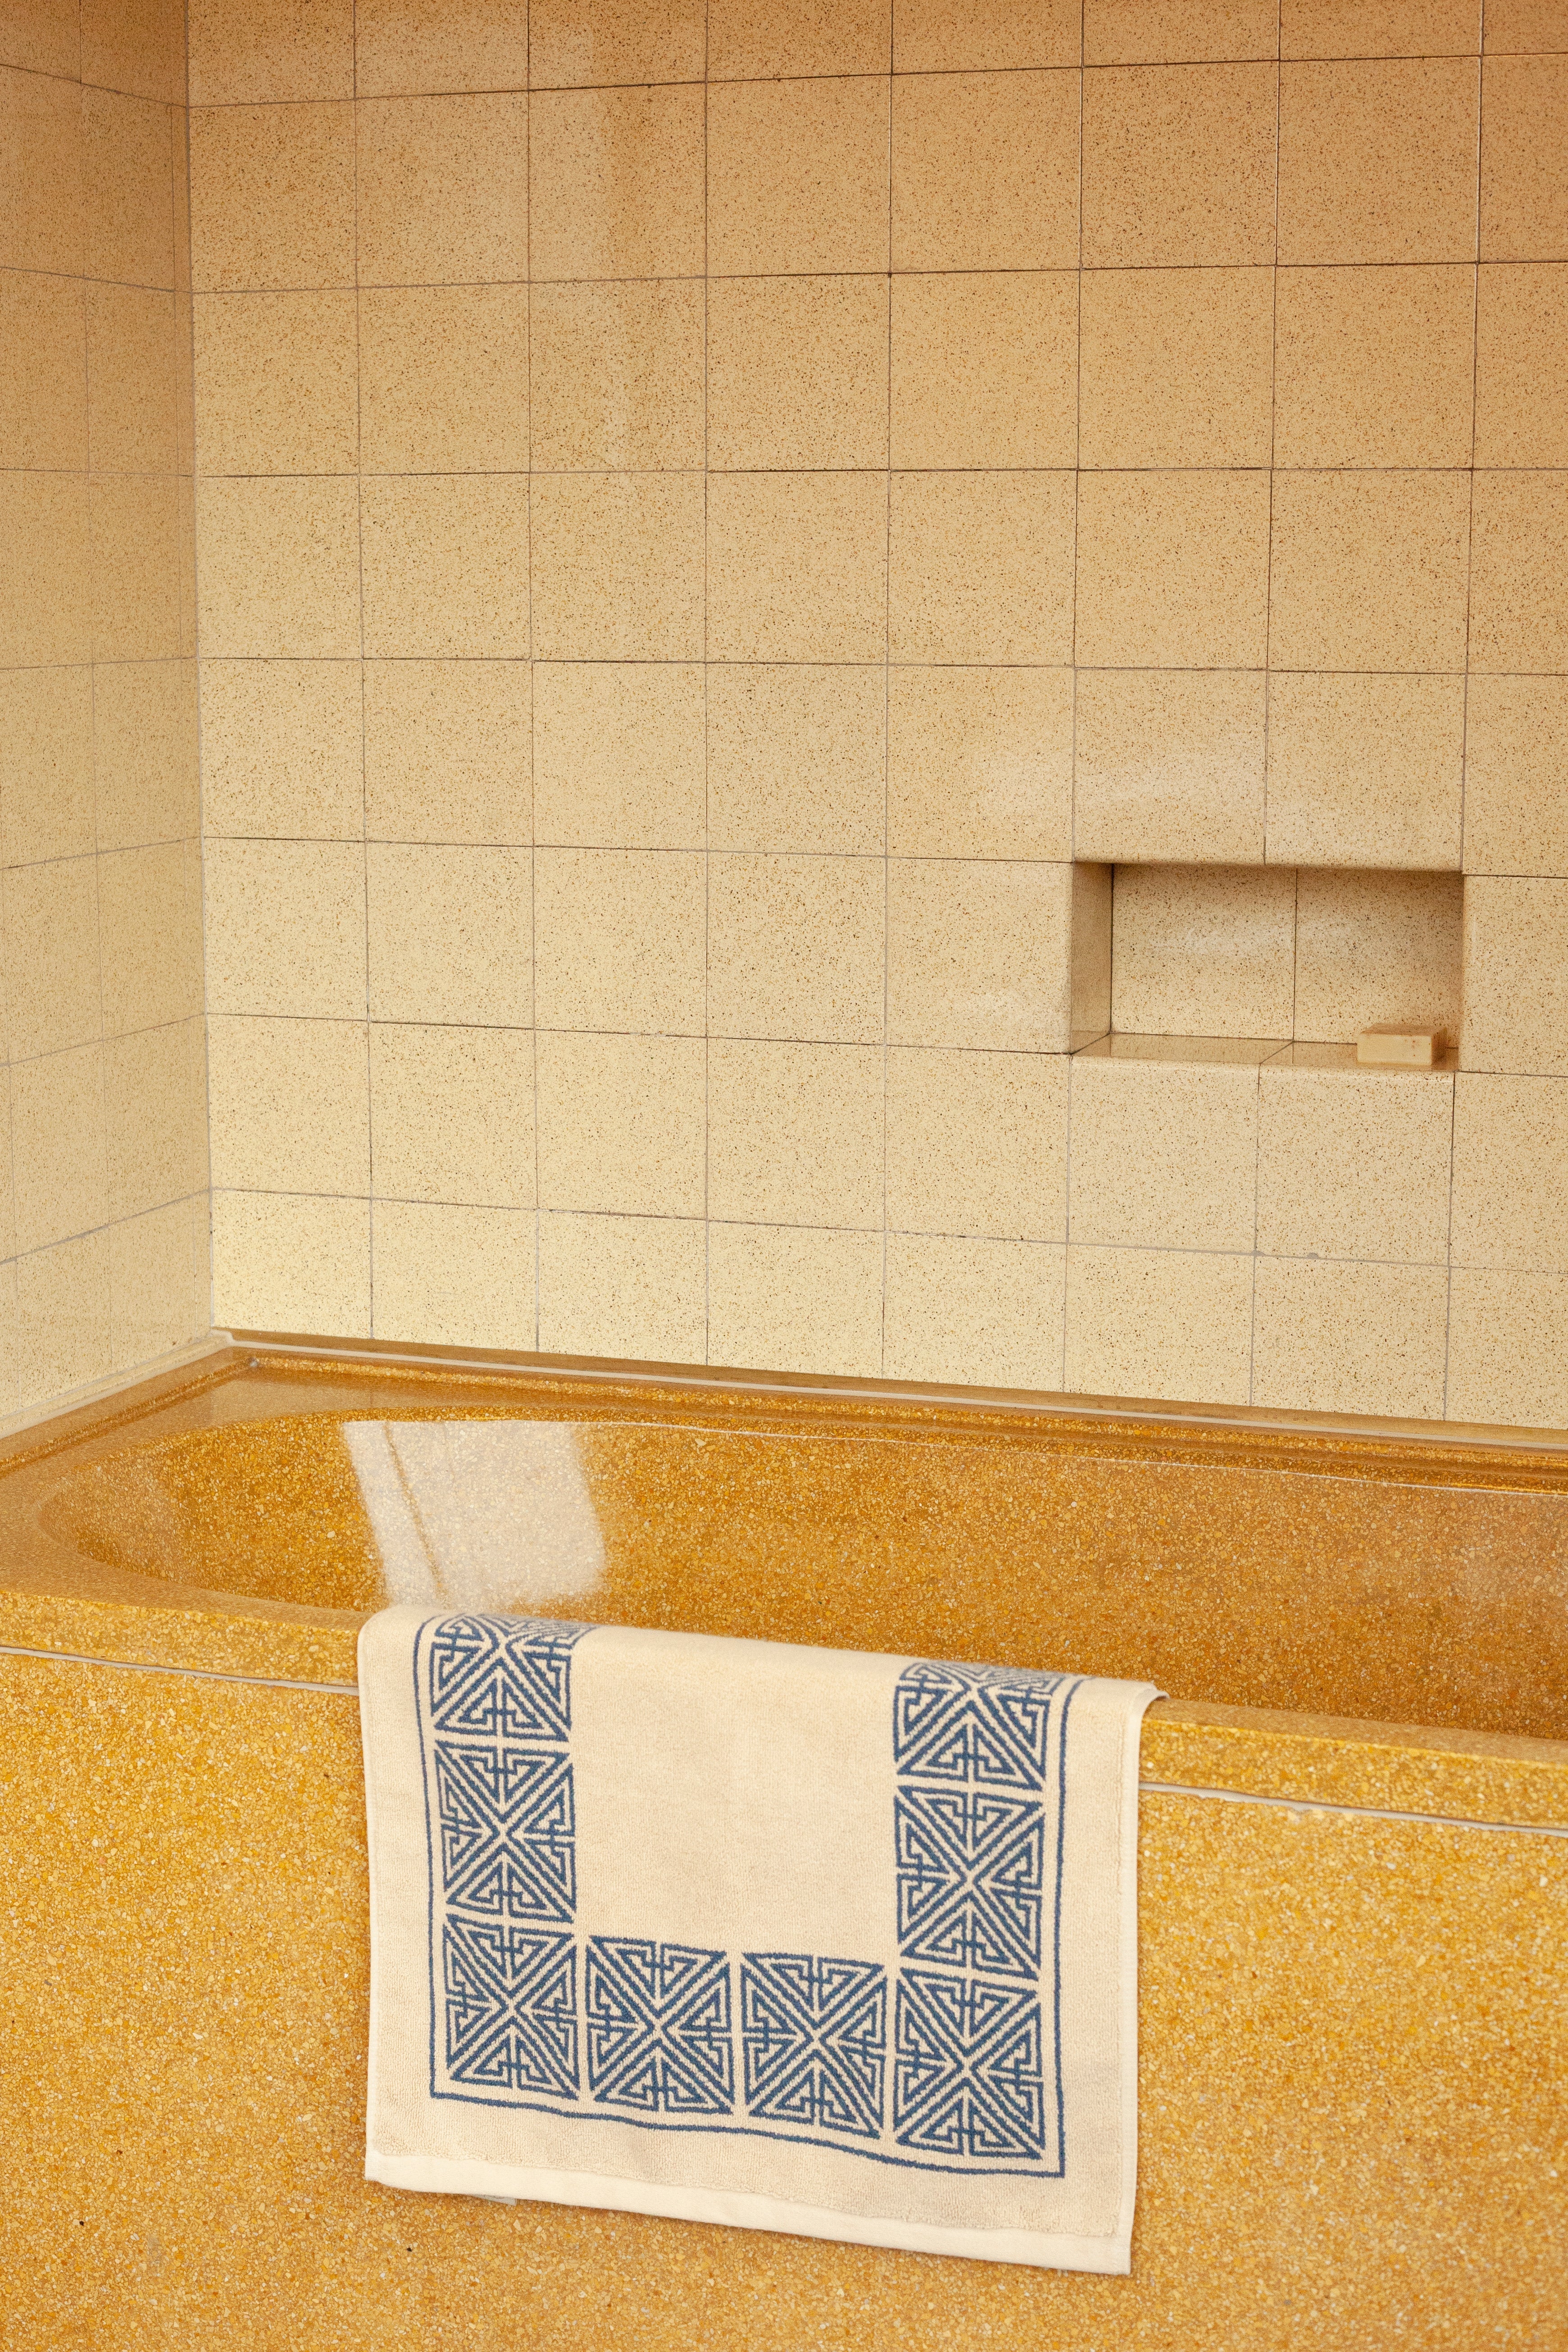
(1368, 572)
(615, 182)
(1374, 367)
(46, 798)
(62, 1317)
(1508, 1349)
(980, 762)
(1332, 1337)
(618, 570)
(1176, 367)
(446, 565)
(272, 196)
(1172, 569)
(451, 1114)
(443, 190)
(1377, 161)
(616, 375)
(281, 749)
(1178, 166)
(137, 569)
(280, 569)
(1202, 953)
(1162, 1155)
(980, 568)
(1524, 196)
(150, 935)
(1376, 946)
(1379, 28)
(443, 379)
(287, 1263)
(450, 934)
(1355, 1163)
(1516, 771)
(1511, 1172)
(1518, 616)
(985, 36)
(454, 1277)
(137, 46)
(285, 927)
(797, 567)
(53, 996)
(128, 172)
(796, 948)
(145, 778)
(155, 1111)
(618, 754)
(42, 37)
(1178, 32)
(797, 176)
(979, 954)
(276, 387)
(628, 1288)
(618, 940)
(797, 757)
(795, 1134)
(1516, 978)
(1092, 898)
(59, 1168)
(793, 1300)
(1365, 771)
(160, 1281)
(1522, 372)
(447, 751)
(43, 214)
(797, 372)
(1159, 1323)
(984, 368)
(290, 1105)
(133, 359)
(601, 41)
(1169, 766)
(9, 1334)
(46, 613)
(421, 44)
(256, 50)
(984, 1314)
(42, 371)
(753, 40)
(985, 171)
(622, 1124)
(977, 1144)
(1523, 25)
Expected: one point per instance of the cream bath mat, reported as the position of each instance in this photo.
(788, 1939)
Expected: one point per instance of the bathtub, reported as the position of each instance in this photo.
(1353, 1939)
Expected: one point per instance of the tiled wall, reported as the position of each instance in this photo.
(103, 1170)
(705, 512)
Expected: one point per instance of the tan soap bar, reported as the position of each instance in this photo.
(1407, 1049)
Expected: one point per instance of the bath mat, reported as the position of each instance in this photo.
(787, 1939)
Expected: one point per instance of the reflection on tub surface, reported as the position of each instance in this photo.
(479, 1513)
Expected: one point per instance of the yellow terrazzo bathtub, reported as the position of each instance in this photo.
(1353, 1945)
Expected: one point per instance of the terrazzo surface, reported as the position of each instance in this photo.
(1352, 2095)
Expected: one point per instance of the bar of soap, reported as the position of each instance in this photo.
(1406, 1049)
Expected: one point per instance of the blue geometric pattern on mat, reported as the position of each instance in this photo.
(512, 2008)
(504, 1678)
(815, 2034)
(971, 1872)
(967, 2074)
(984, 1725)
(660, 2035)
(507, 1848)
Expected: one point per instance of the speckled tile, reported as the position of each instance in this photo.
(449, 928)
(617, 567)
(1202, 953)
(259, 51)
(443, 375)
(1169, 766)
(795, 1134)
(1508, 1345)
(1377, 160)
(276, 383)
(798, 374)
(1376, 946)
(1518, 619)
(1524, 200)
(1521, 381)
(1179, 166)
(282, 748)
(796, 948)
(1352, 1162)
(1385, 28)
(614, 181)
(796, 756)
(622, 1124)
(618, 754)
(1329, 1336)
(616, 374)
(44, 213)
(42, 371)
(980, 762)
(1365, 771)
(755, 40)
(980, 567)
(633, 1288)
(1369, 571)
(273, 196)
(447, 751)
(47, 808)
(53, 981)
(1510, 1173)
(975, 1311)
(1178, 32)
(304, 1260)
(977, 1143)
(1176, 367)
(1159, 1323)
(979, 953)
(797, 567)
(1172, 569)
(442, 189)
(1375, 366)
(421, 44)
(285, 928)
(797, 176)
(618, 940)
(444, 565)
(599, 42)
(1162, 1155)
(985, 368)
(280, 569)
(1516, 986)
(464, 1273)
(985, 171)
(794, 1296)
(452, 1114)
(985, 36)
(1516, 753)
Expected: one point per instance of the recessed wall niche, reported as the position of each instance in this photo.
(1300, 953)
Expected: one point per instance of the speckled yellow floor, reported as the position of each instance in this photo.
(1353, 2082)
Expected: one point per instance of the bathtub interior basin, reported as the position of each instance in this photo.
(1378, 1578)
